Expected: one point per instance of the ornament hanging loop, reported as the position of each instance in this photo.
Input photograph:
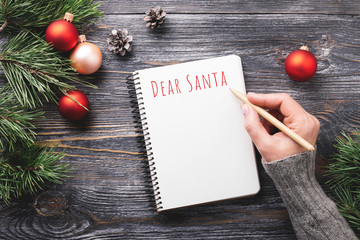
(81, 39)
(69, 17)
(304, 48)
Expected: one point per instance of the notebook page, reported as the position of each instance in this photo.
(202, 152)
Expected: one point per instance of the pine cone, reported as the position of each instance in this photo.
(155, 17)
(119, 41)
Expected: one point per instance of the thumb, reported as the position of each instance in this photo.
(254, 127)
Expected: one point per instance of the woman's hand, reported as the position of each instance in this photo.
(287, 110)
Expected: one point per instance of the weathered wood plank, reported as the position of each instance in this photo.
(234, 6)
(263, 42)
(109, 195)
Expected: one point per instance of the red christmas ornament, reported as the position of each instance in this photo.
(301, 64)
(71, 109)
(62, 34)
(86, 58)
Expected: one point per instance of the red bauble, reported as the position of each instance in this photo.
(301, 65)
(70, 109)
(62, 34)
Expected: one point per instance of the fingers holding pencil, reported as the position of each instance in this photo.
(279, 145)
(288, 111)
(254, 127)
(281, 106)
(279, 101)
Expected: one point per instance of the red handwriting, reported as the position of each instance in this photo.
(155, 88)
(155, 92)
(177, 86)
(192, 83)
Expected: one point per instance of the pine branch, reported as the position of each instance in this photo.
(349, 205)
(37, 14)
(346, 161)
(15, 121)
(344, 168)
(32, 68)
(28, 169)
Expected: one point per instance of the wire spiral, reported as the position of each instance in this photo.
(138, 104)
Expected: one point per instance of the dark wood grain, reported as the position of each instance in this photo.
(234, 6)
(109, 194)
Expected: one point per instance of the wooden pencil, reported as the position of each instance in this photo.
(297, 138)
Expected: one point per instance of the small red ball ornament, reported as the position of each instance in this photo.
(86, 58)
(301, 64)
(71, 109)
(62, 34)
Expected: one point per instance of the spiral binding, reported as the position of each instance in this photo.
(138, 103)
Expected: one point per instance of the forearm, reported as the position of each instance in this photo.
(312, 213)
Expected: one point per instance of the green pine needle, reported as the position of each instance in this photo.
(344, 167)
(37, 14)
(28, 169)
(34, 72)
(32, 67)
(15, 121)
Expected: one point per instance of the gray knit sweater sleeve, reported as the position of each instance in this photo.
(312, 213)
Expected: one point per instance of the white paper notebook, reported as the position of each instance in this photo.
(197, 146)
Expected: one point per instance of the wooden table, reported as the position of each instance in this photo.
(109, 195)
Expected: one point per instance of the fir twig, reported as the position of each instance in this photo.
(345, 170)
(29, 169)
(37, 14)
(31, 67)
(15, 121)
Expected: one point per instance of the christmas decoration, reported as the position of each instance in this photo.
(28, 61)
(15, 121)
(120, 42)
(301, 64)
(35, 14)
(25, 166)
(344, 167)
(34, 73)
(74, 105)
(155, 17)
(26, 169)
(86, 58)
(62, 34)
